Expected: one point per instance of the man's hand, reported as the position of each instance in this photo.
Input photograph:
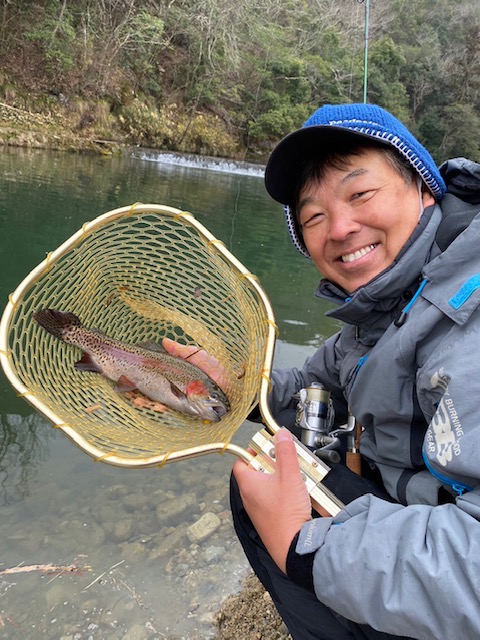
(278, 503)
(200, 358)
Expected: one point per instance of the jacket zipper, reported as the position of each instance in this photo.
(458, 487)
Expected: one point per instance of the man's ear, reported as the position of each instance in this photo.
(427, 196)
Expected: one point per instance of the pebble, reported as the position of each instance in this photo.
(204, 527)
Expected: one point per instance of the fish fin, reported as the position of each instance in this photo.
(151, 346)
(196, 388)
(145, 403)
(176, 391)
(124, 384)
(87, 364)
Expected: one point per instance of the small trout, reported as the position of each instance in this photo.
(148, 368)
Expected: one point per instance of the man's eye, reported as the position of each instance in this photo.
(363, 195)
(313, 220)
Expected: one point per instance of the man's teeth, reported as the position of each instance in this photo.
(350, 257)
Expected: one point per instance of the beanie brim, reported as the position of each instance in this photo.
(289, 157)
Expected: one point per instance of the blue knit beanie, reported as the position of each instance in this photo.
(322, 130)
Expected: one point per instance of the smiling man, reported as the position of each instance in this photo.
(396, 241)
(351, 221)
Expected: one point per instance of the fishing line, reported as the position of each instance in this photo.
(235, 211)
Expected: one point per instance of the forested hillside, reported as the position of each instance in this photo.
(230, 77)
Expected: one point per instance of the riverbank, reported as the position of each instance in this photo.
(91, 127)
(52, 130)
(250, 614)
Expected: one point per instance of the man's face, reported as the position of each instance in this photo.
(357, 219)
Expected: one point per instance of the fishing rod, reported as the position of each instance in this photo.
(365, 53)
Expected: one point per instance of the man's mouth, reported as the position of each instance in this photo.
(350, 257)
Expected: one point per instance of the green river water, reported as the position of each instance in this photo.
(57, 505)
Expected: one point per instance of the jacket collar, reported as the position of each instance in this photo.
(454, 275)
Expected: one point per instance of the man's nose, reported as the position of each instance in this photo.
(342, 224)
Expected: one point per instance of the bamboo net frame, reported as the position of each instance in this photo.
(139, 273)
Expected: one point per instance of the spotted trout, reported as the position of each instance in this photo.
(148, 368)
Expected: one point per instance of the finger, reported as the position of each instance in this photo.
(176, 349)
(248, 478)
(286, 454)
(200, 358)
(240, 467)
(203, 359)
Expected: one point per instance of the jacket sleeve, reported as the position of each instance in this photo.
(410, 571)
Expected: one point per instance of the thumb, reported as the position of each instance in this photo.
(286, 459)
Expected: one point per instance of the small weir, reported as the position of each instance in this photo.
(191, 161)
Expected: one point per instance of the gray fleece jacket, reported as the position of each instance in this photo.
(407, 362)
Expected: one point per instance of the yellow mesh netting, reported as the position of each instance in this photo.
(138, 273)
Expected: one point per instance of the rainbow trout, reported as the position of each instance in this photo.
(159, 376)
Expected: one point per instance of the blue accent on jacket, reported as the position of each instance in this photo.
(465, 291)
(458, 487)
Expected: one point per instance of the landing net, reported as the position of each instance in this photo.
(139, 273)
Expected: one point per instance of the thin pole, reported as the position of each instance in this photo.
(365, 60)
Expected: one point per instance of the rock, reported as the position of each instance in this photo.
(214, 553)
(116, 491)
(204, 527)
(123, 530)
(84, 533)
(108, 513)
(134, 501)
(174, 509)
(133, 550)
(169, 544)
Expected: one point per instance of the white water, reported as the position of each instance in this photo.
(191, 161)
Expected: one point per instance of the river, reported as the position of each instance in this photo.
(59, 507)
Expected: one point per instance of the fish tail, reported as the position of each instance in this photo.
(56, 322)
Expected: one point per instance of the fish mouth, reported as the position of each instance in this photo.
(215, 409)
(219, 410)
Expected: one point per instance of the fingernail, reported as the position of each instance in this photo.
(282, 435)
